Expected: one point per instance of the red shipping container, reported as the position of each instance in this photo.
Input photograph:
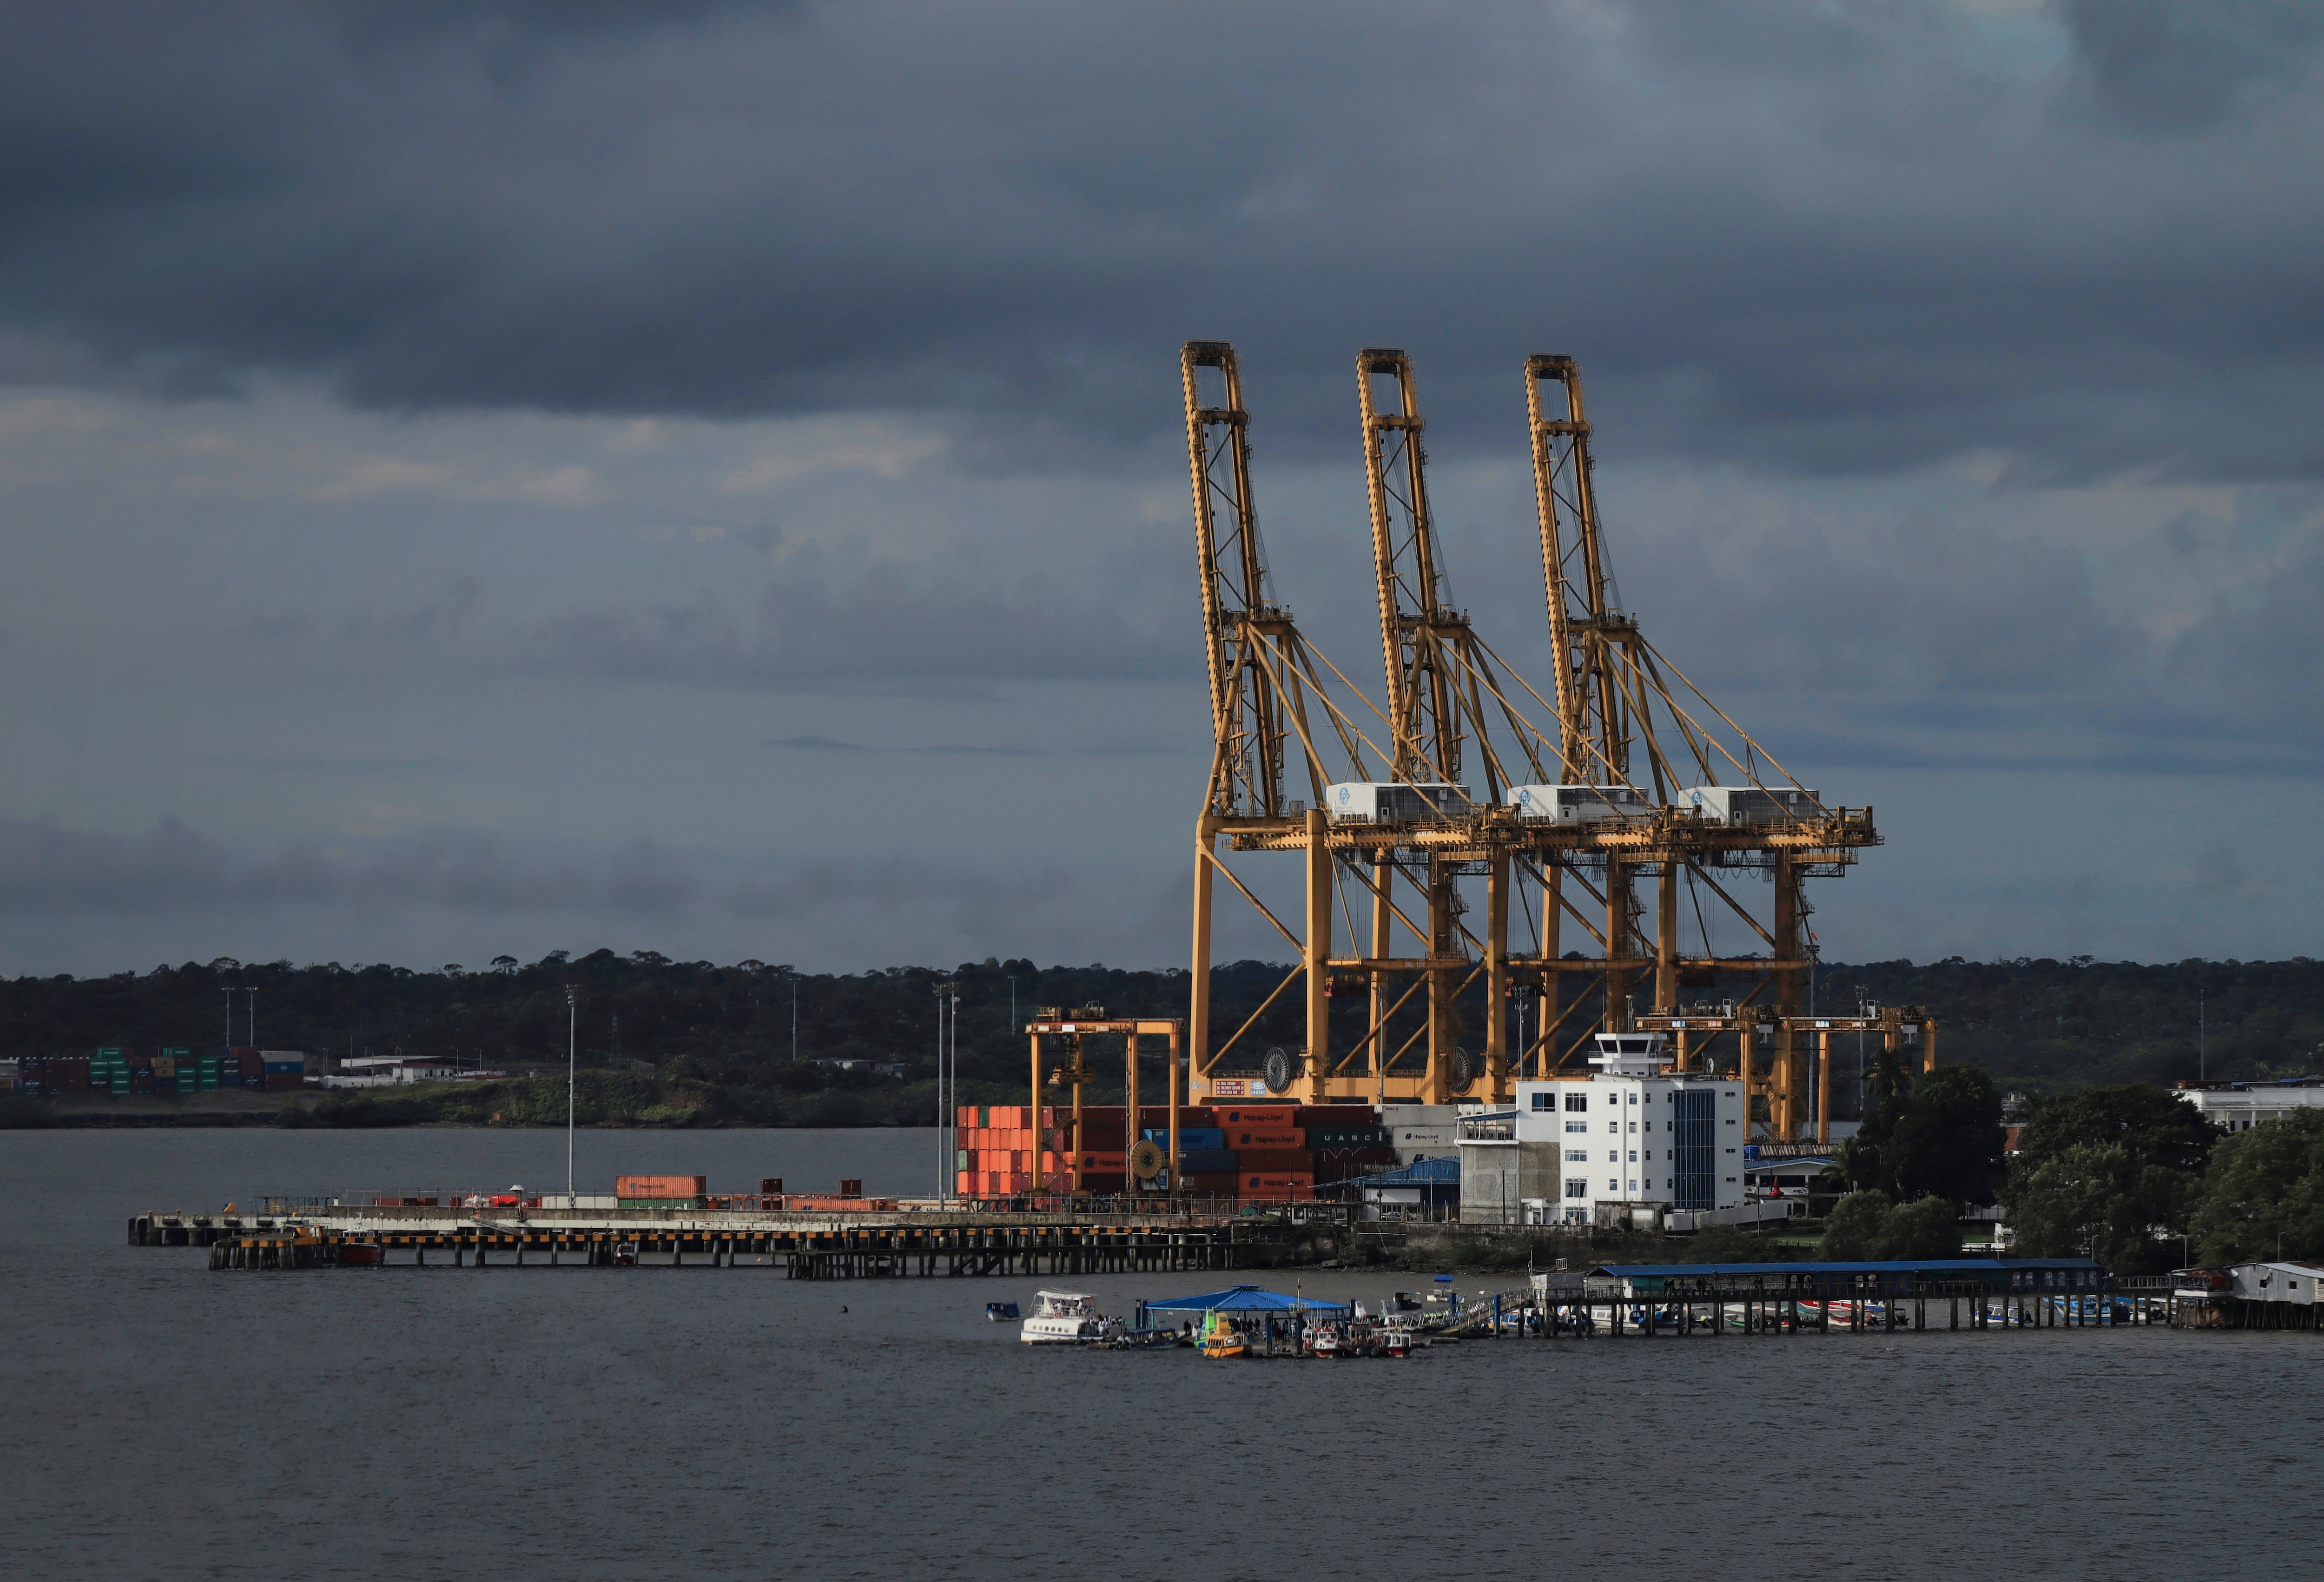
(1279, 1114)
(1268, 1137)
(1297, 1160)
(1337, 1118)
(284, 1081)
(1213, 1186)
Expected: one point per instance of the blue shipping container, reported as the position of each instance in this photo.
(1207, 1137)
(1207, 1162)
(281, 1066)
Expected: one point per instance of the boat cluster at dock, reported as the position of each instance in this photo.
(1242, 1322)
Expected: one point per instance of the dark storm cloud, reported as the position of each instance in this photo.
(1830, 239)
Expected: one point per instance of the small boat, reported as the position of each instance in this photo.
(1327, 1341)
(1221, 1338)
(360, 1253)
(996, 1311)
(1063, 1318)
(1396, 1340)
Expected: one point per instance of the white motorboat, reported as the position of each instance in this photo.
(1063, 1318)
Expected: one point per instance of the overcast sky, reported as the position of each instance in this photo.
(485, 479)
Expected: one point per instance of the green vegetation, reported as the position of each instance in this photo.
(2263, 1195)
(1731, 1244)
(1871, 1225)
(1941, 1136)
(2110, 1171)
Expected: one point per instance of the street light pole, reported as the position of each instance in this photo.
(229, 1016)
(253, 1014)
(572, 1045)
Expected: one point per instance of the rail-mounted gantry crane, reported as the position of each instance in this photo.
(1564, 823)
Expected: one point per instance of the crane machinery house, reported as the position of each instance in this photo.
(1360, 801)
(1622, 1147)
(1579, 802)
(1751, 804)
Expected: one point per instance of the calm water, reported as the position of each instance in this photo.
(165, 1422)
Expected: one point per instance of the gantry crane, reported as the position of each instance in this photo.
(1580, 812)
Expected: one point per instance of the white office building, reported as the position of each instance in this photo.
(2240, 1106)
(1624, 1144)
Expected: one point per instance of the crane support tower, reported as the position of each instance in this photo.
(1635, 780)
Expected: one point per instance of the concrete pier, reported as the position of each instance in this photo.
(804, 1247)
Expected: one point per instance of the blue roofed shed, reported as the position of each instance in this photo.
(1245, 1299)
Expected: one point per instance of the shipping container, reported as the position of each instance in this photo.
(621, 1202)
(1248, 1159)
(1313, 1115)
(1188, 1136)
(140, 1079)
(286, 1068)
(189, 1079)
(1207, 1162)
(1267, 1137)
(660, 1185)
(1348, 1137)
(1275, 1115)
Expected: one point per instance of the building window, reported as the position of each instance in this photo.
(1634, 1125)
(1613, 1156)
(1577, 1125)
(1577, 1101)
(1634, 1185)
(1634, 1156)
(1613, 1125)
(1577, 1187)
(1541, 1101)
(1613, 1186)
(1634, 1098)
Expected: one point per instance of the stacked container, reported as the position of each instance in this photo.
(1269, 1152)
(282, 1070)
(254, 1069)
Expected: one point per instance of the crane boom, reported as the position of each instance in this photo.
(1246, 702)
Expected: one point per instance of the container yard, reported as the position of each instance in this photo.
(124, 1071)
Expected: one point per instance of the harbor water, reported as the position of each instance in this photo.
(167, 1421)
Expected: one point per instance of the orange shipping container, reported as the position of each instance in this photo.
(1283, 1114)
(660, 1185)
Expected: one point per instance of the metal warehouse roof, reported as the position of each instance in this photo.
(1420, 1173)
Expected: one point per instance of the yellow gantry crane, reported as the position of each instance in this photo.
(1636, 777)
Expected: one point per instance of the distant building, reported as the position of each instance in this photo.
(2238, 1107)
(1622, 1147)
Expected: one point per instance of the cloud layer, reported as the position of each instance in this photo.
(1828, 239)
